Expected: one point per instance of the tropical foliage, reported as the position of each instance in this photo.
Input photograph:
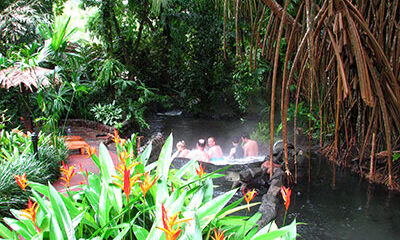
(137, 200)
(17, 158)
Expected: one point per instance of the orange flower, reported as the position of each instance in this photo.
(68, 173)
(21, 181)
(85, 176)
(122, 142)
(30, 213)
(147, 184)
(286, 192)
(116, 137)
(249, 196)
(218, 235)
(90, 151)
(123, 156)
(169, 223)
(200, 170)
(127, 180)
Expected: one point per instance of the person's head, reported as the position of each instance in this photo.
(245, 137)
(181, 145)
(235, 141)
(211, 141)
(201, 143)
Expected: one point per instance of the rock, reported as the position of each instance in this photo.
(157, 141)
(268, 207)
(279, 158)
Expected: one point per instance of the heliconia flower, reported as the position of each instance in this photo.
(85, 174)
(286, 192)
(122, 142)
(30, 213)
(218, 235)
(116, 137)
(68, 173)
(90, 151)
(127, 181)
(21, 181)
(147, 184)
(200, 170)
(123, 156)
(249, 196)
(169, 223)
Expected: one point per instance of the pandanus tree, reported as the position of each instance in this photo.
(343, 56)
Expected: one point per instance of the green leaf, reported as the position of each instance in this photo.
(5, 232)
(108, 171)
(288, 232)
(140, 233)
(61, 214)
(19, 227)
(104, 207)
(145, 155)
(188, 166)
(164, 161)
(123, 232)
(211, 208)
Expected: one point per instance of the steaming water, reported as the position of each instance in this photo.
(352, 210)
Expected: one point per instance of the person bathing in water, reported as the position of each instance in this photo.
(182, 151)
(250, 147)
(215, 151)
(199, 152)
(237, 150)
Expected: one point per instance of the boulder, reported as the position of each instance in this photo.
(157, 142)
(268, 207)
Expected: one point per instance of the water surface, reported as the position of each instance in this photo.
(352, 210)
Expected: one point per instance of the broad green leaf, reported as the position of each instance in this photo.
(188, 166)
(61, 214)
(123, 232)
(104, 207)
(162, 191)
(55, 229)
(27, 222)
(108, 171)
(288, 232)
(192, 229)
(19, 227)
(209, 191)
(164, 161)
(150, 167)
(43, 189)
(140, 233)
(5, 232)
(77, 219)
(41, 202)
(238, 209)
(196, 200)
(145, 155)
(211, 208)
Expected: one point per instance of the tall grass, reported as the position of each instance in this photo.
(43, 170)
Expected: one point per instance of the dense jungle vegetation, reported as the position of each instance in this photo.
(329, 68)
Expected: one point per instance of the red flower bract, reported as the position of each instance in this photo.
(200, 170)
(169, 223)
(68, 173)
(285, 192)
(147, 183)
(218, 235)
(21, 181)
(30, 213)
(249, 196)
